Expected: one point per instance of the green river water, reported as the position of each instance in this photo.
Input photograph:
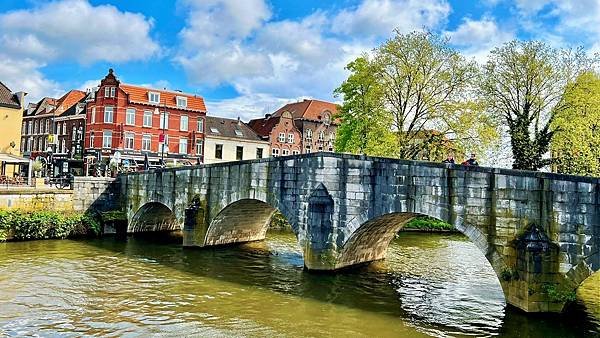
(429, 285)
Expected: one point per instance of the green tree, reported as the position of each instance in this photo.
(365, 128)
(523, 82)
(576, 142)
(413, 99)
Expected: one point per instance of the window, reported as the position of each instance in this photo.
(154, 97)
(29, 128)
(47, 129)
(239, 153)
(286, 152)
(148, 119)
(295, 152)
(164, 121)
(92, 140)
(146, 142)
(93, 117)
(108, 114)
(107, 139)
(309, 134)
(110, 91)
(183, 123)
(73, 132)
(200, 125)
(290, 138)
(130, 117)
(199, 147)
(331, 136)
(129, 139)
(113, 91)
(106, 91)
(64, 128)
(214, 130)
(275, 152)
(259, 152)
(238, 133)
(181, 102)
(63, 146)
(281, 137)
(183, 145)
(218, 151)
(321, 135)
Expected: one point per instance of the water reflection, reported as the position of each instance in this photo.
(436, 285)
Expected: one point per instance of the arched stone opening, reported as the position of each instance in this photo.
(153, 217)
(370, 241)
(245, 220)
(588, 293)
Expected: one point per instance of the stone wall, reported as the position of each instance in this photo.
(88, 193)
(537, 230)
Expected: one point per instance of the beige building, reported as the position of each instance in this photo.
(11, 117)
(231, 140)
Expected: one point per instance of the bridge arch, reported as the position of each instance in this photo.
(245, 220)
(153, 217)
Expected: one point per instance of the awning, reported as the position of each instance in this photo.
(12, 159)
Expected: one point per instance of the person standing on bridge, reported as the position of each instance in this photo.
(449, 159)
(471, 161)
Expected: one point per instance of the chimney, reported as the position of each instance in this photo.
(239, 121)
(21, 98)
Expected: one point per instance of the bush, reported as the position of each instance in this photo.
(30, 225)
(428, 224)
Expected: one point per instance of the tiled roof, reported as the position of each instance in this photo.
(7, 98)
(43, 103)
(309, 109)
(262, 127)
(139, 94)
(228, 128)
(68, 100)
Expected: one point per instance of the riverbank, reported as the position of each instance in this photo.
(25, 225)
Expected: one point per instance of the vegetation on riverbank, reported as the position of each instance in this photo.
(425, 223)
(22, 225)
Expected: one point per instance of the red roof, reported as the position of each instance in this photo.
(313, 110)
(262, 127)
(68, 100)
(139, 94)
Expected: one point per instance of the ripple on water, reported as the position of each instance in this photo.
(434, 285)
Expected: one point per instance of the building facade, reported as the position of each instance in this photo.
(138, 121)
(70, 130)
(301, 127)
(11, 115)
(232, 140)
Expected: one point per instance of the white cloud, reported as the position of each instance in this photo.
(381, 17)
(74, 29)
(247, 107)
(477, 37)
(23, 75)
(281, 60)
(67, 30)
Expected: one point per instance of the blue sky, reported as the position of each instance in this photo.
(249, 57)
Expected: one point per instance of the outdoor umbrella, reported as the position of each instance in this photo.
(146, 163)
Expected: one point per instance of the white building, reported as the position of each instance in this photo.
(231, 140)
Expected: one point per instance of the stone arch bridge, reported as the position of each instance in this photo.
(539, 231)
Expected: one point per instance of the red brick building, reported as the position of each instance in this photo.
(135, 120)
(301, 127)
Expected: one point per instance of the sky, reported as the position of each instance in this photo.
(249, 57)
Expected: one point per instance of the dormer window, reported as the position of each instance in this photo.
(238, 133)
(181, 102)
(154, 97)
(214, 130)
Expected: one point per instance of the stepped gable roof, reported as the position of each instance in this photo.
(312, 110)
(263, 126)
(7, 98)
(139, 94)
(232, 128)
